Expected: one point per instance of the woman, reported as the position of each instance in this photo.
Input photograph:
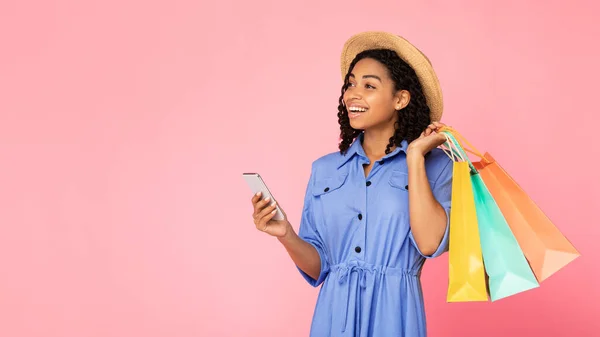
(379, 207)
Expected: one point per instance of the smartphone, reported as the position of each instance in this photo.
(257, 184)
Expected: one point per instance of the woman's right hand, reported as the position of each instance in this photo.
(264, 211)
(304, 254)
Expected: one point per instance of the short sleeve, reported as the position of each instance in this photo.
(308, 232)
(442, 192)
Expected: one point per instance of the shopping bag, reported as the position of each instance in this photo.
(545, 247)
(465, 270)
(507, 268)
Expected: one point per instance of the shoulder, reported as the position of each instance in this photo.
(438, 164)
(329, 159)
(327, 164)
(437, 157)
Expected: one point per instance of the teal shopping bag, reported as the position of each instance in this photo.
(505, 264)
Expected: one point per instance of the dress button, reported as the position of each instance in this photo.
(406, 187)
(359, 216)
(357, 249)
(326, 189)
(368, 183)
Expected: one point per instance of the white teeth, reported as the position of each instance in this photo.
(357, 109)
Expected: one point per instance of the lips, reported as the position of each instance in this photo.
(357, 109)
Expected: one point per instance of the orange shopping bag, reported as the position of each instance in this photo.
(545, 247)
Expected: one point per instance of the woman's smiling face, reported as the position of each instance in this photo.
(371, 97)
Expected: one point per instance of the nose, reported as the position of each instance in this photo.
(353, 94)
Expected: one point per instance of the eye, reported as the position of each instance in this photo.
(368, 86)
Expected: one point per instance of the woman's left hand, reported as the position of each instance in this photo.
(428, 140)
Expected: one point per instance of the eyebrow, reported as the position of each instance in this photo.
(368, 76)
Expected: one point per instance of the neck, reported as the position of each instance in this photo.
(375, 142)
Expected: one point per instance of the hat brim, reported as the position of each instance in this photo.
(409, 53)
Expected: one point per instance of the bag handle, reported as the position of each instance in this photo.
(453, 153)
(458, 148)
(462, 140)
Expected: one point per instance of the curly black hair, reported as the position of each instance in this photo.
(412, 120)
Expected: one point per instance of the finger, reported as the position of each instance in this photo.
(266, 210)
(260, 205)
(430, 128)
(265, 220)
(264, 202)
(263, 223)
(256, 197)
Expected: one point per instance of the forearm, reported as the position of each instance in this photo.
(427, 217)
(304, 255)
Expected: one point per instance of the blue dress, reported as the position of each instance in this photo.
(370, 263)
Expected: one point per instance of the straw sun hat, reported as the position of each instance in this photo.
(409, 53)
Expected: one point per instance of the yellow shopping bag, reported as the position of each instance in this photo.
(467, 281)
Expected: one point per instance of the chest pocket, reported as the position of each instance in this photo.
(399, 180)
(327, 186)
(397, 202)
(331, 203)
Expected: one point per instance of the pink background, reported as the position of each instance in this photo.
(125, 126)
